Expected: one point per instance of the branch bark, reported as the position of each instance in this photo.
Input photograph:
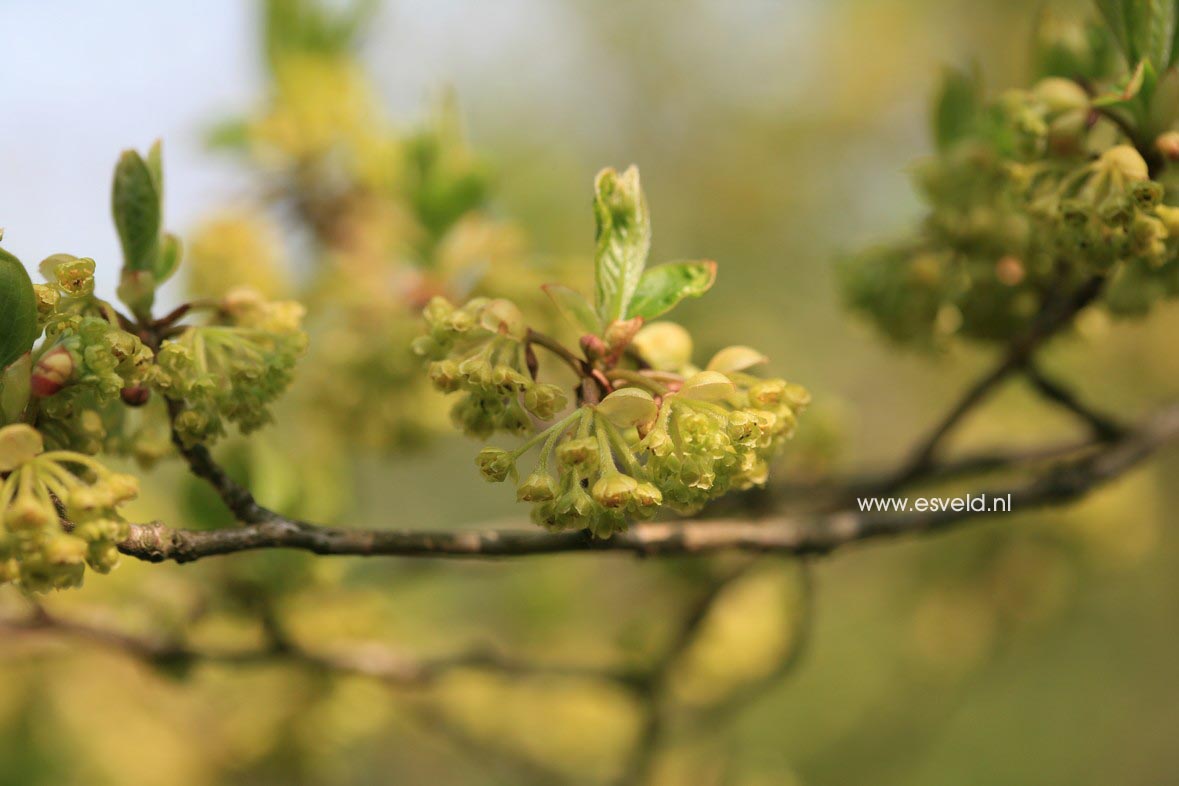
(780, 534)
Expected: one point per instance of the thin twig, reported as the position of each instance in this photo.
(1051, 321)
(1104, 427)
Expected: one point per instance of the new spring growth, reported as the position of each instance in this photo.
(1030, 195)
(647, 429)
(232, 369)
(36, 550)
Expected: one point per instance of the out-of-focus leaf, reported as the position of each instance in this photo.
(1134, 85)
(956, 106)
(1144, 29)
(168, 259)
(15, 388)
(575, 307)
(662, 288)
(18, 310)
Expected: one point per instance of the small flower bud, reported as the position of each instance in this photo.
(64, 550)
(615, 491)
(445, 375)
(537, 487)
(135, 395)
(1060, 95)
(1009, 270)
(495, 464)
(52, 372)
(1167, 143)
(665, 346)
(504, 318)
(581, 452)
(1126, 161)
(27, 514)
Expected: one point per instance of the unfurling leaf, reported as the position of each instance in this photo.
(574, 307)
(18, 310)
(629, 407)
(1144, 29)
(168, 259)
(136, 204)
(662, 288)
(623, 241)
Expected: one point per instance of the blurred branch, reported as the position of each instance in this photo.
(720, 713)
(385, 664)
(1054, 317)
(1104, 427)
(652, 687)
(1062, 483)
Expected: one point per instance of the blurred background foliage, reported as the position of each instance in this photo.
(772, 137)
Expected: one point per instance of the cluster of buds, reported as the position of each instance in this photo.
(82, 370)
(1034, 197)
(666, 440)
(480, 350)
(230, 371)
(36, 550)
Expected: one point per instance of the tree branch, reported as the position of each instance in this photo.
(1103, 426)
(385, 664)
(782, 534)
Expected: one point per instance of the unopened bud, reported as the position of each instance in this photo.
(135, 395)
(52, 372)
(1168, 144)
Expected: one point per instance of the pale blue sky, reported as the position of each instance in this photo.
(80, 81)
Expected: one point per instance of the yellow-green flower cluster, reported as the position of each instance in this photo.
(1028, 202)
(82, 367)
(230, 373)
(620, 460)
(36, 551)
(479, 350)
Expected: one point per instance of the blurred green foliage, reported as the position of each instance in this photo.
(1032, 649)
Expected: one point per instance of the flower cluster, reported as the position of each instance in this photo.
(35, 550)
(480, 350)
(649, 430)
(85, 362)
(230, 371)
(607, 464)
(1030, 196)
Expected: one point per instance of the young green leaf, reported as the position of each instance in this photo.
(623, 241)
(574, 307)
(18, 310)
(956, 106)
(155, 165)
(662, 288)
(136, 204)
(168, 259)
